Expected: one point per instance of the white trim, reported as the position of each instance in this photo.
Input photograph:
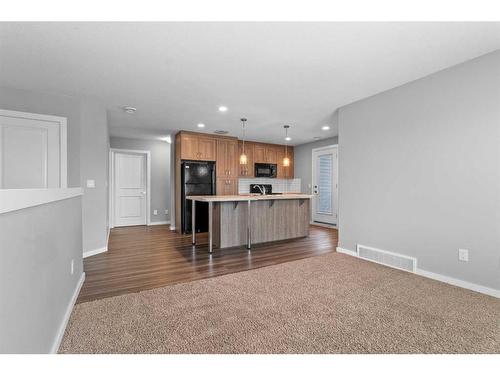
(18, 199)
(67, 314)
(100, 250)
(112, 151)
(346, 251)
(63, 138)
(172, 227)
(324, 147)
(442, 278)
(159, 222)
(460, 283)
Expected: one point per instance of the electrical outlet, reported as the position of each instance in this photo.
(155, 212)
(463, 255)
(72, 266)
(166, 212)
(91, 184)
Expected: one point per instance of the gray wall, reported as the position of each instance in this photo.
(36, 285)
(49, 104)
(94, 160)
(419, 171)
(302, 158)
(88, 145)
(160, 171)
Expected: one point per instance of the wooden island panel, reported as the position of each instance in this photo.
(271, 220)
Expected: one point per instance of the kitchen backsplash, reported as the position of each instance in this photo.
(279, 185)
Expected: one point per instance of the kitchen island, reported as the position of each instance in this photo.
(236, 220)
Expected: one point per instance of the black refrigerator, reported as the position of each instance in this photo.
(197, 178)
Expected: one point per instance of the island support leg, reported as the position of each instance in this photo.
(249, 228)
(210, 227)
(193, 220)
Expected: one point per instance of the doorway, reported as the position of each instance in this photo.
(325, 185)
(130, 192)
(33, 151)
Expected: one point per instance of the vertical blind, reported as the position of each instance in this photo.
(325, 170)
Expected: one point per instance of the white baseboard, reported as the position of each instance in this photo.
(89, 253)
(67, 314)
(159, 222)
(345, 251)
(460, 283)
(445, 279)
(172, 227)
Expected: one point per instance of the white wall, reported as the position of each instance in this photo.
(88, 144)
(160, 172)
(94, 160)
(303, 161)
(419, 171)
(37, 288)
(50, 104)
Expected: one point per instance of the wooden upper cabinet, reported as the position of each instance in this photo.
(285, 172)
(265, 153)
(246, 170)
(272, 154)
(227, 158)
(259, 153)
(189, 147)
(195, 147)
(207, 147)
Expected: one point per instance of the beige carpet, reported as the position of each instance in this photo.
(332, 303)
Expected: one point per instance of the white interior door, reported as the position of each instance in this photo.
(325, 185)
(30, 152)
(130, 189)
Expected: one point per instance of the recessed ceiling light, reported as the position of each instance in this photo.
(288, 139)
(316, 138)
(129, 109)
(220, 131)
(222, 108)
(326, 127)
(200, 125)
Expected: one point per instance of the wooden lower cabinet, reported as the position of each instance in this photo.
(227, 186)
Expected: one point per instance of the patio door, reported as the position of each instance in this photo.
(325, 185)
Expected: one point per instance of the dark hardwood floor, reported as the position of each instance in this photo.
(141, 258)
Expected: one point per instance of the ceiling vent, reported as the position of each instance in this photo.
(221, 132)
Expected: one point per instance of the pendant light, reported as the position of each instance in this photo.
(243, 156)
(286, 160)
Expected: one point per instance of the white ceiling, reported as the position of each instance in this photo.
(177, 74)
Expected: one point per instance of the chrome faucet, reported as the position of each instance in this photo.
(262, 189)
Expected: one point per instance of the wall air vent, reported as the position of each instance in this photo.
(387, 258)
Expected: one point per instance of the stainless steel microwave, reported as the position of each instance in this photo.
(266, 170)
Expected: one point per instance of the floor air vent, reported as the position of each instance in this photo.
(387, 258)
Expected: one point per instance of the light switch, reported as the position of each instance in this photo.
(91, 183)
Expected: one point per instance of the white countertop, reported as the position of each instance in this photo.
(247, 197)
